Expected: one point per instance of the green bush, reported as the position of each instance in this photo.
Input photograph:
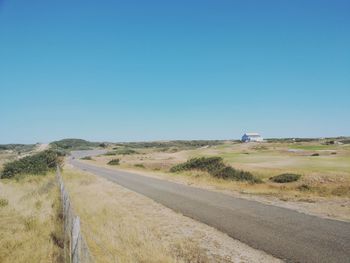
(315, 154)
(125, 151)
(215, 167)
(208, 164)
(110, 153)
(139, 165)
(229, 172)
(3, 202)
(88, 158)
(39, 163)
(114, 162)
(285, 178)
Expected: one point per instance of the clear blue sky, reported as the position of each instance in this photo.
(148, 70)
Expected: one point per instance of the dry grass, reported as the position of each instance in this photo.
(30, 225)
(122, 226)
(323, 190)
(327, 175)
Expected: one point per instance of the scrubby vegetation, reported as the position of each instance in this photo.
(39, 163)
(87, 158)
(121, 151)
(285, 178)
(172, 144)
(114, 162)
(208, 164)
(20, 148)
(315, 154)
(215, 167)
(139, 165)
(111, 153)
(74, 144)
(125, 151)
(3, 202)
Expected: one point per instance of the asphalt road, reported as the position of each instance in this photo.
(283, 233)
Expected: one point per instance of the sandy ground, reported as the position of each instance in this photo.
(42, 147)
(184, 239)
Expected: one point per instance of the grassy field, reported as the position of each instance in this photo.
(323, 178)
(30, 221)
(123, 226)
(325, 175)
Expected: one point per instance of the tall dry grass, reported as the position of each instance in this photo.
(122, 226)
(114, 224)
(30, 220)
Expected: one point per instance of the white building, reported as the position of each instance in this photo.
(252, 137)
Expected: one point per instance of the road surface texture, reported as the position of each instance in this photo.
(283, 233)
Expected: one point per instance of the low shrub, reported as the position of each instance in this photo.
(304, 188)
(114, 162)
(110, 153)
(315, 154)
(229, 172)
(39, 163)
(342, 190)
(3, 202)
(285, 178)
(139, 165)
(208, 164)
(215, 167)
(125, 151)
(88, 158)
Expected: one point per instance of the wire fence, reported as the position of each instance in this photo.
(75, 246)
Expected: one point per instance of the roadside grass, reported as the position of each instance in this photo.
(115, 225)
(30, 220)
(122, 226)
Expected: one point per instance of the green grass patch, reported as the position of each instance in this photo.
(312, 147)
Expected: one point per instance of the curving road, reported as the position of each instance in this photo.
(283, 233)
